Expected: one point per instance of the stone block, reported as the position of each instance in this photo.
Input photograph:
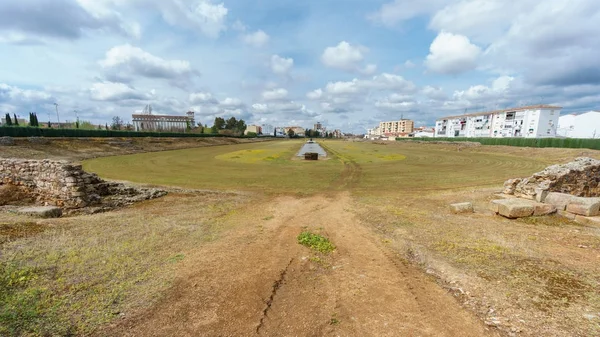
(560, 200)
(42, 211)
(515, 208)
(540, 209)
(584, 206)
(540, 194)
(463, 207)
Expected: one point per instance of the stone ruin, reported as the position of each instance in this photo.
(580, 178)
(67, 185)
(572, 189)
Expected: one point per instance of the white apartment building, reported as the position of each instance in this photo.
(585, 125)
(537, 121)
(373, 133)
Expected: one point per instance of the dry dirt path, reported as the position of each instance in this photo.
(257, 280)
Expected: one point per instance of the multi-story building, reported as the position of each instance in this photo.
(585, 125)
(253, 128)
(373, 133)
(399, 128)
(318, 126)
(337, 133)
(298, 130)
(268, 130)
(146, 121)
(536, 121)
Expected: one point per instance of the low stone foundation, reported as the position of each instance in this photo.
(66, 185)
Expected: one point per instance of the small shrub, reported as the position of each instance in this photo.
(316, 242)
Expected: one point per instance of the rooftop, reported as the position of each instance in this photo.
(481, 113)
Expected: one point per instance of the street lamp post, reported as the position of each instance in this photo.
(57, 117)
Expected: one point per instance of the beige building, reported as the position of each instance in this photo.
(396, 128)
(253, 128)
(149, 122)
(298, 131)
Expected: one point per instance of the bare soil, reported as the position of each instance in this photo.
(257, 280)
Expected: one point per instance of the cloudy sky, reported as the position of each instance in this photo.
(347, 63)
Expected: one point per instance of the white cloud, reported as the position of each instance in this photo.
(452, 54)
(15, 95)
(395, 106)
(275, 94)
(409, 64)
(344, 56)
(128, 60)
(231, 103)
(315, 94)
(281, 65)
(257, 39)
(399, 10)
(369, 69)
(110, 91)
(434, 93)
(202, 16)
(202, 98)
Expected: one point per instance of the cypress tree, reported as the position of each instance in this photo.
(8, 120)
(31, 122)
(16, 120)
(37, 123)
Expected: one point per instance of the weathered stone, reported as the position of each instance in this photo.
(540, 194)
(42, 211)
(560, 200)
(515, 208)
(463, 207)
(510, 186)
(580, 177)
(540, 209)
(566, 214)
(66, 185)
(584, 206)
(588, 220)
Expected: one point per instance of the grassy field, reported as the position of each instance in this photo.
(267, 167)
(72, 275)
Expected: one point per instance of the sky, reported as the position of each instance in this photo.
(346, 63)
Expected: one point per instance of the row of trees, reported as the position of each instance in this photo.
(9, 121)
(231, 126)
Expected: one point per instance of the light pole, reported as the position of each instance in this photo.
(57, 117)
(76, 118)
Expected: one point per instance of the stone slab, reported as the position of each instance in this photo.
(42, 211)
(584, 206)
(463, 207)
(515, 208)
(540, 209)
(560, 200)
(588, 220)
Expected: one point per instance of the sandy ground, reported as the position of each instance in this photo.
(257, 280)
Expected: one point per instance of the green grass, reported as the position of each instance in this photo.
(360, 166)
(316, 242)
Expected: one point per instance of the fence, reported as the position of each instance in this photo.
(573, 143)
(43, 132)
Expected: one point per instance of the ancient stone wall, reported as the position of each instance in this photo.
(580, 177)
(64, 184)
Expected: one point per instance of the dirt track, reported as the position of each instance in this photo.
(257, 280)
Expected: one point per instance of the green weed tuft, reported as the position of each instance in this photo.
(316, 242)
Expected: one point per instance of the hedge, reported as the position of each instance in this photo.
(574, 143)
(43, 132)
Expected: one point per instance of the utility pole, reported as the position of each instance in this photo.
(57, 117)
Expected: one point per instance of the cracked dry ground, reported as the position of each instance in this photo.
(260, 281)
